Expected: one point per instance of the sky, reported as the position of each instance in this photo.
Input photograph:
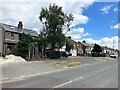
(94, 21)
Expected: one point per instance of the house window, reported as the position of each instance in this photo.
(12, 35)
(8, 32)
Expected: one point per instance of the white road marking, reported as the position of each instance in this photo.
(67, 82)
(26, 76)
(82, 77)
(44, 73)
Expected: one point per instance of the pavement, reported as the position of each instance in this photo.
(16, 71)
(20, 70)
(95, 75)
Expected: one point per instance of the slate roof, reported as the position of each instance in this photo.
(18, 30)
(72, 41)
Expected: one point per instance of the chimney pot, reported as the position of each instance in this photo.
(20, 25)
(69, 37)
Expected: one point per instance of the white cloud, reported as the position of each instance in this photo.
(116, 26)
(77, 33)
(107, 0)
(86, 34)
(106, 9)
(105, 41)
(28, 11)
(79, 19)
(115, 9)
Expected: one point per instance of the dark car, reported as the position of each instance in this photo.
(65, 54)
(103, 54)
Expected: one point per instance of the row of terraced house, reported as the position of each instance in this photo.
(9, 37)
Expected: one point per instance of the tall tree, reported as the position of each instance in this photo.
(55, 21)
(84, 47)
(96, 50)
(42, 44)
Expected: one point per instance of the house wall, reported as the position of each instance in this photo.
(11, 37)
(63, 48)
(1, 41)
(74, 50)
(88, 50)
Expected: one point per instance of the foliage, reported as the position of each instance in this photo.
(42, 44)
(21, 49)
(84, 47)
(23, 46)
(42, 41)
(54, 21)
(96, 50)
(53, 54)
(84, 41)
(69, 44)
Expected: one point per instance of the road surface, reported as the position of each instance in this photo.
(95, 75)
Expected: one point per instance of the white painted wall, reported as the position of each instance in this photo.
(74, 52)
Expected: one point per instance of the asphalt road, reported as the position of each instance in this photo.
(95, 75)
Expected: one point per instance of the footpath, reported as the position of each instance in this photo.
(21, 70)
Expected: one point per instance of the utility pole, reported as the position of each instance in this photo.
(113, 49)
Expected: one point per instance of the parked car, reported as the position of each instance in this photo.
(65, 54)
(113, 56)
(102, 54)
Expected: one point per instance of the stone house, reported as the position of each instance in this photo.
(9, 36)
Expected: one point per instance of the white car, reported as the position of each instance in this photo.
(113, 56)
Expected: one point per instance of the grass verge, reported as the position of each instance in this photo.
(102, 59)
(75, 57)
(70, 63)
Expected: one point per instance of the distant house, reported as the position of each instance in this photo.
(74, 50)
(88, 48)
(109, 50)
(77, 49)
(80, 48)
(9, 36)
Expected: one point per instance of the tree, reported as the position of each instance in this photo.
(54, 21)
(42, 44)
(96, 50)
(24, 46)
(69, 44)
(84, 47)
(84, 41)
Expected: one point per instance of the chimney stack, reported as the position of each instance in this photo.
(69, 37)
(20, 25)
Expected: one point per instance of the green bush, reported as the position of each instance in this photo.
(96, 54)
(53, 54)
